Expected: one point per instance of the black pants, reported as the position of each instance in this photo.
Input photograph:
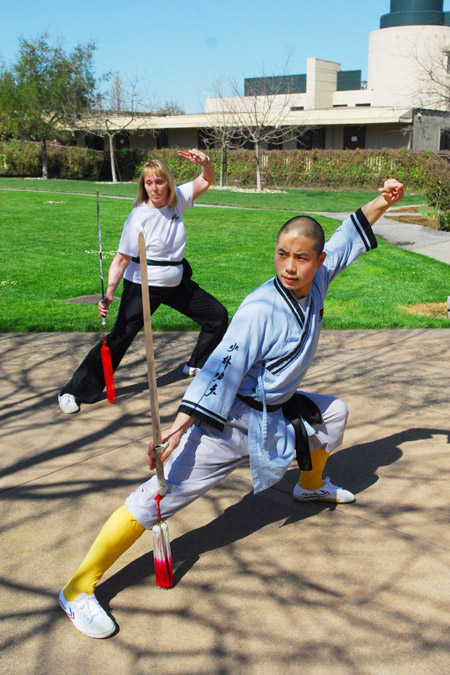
(88, 380)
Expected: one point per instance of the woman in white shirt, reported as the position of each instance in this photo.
(158, 213)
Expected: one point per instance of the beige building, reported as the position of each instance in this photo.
(404, 103)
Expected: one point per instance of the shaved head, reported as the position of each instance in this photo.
(306, 227)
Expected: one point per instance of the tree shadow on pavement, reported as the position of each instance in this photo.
(355, 468)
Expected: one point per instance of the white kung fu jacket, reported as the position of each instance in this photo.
(266, 352)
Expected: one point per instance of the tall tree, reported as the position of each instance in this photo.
(260, 114)
(119, 111)
(223, 132)
(46, 91)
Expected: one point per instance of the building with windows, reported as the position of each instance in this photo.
(405, 101)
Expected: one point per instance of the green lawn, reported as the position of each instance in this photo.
(297, 200)
(49, 252)
(287, 200)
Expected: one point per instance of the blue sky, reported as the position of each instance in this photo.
(179, 48)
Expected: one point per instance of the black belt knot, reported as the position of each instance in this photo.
(298, 408)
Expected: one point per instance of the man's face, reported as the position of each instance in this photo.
(296, 262)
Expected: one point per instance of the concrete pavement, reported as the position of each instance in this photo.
(262, 584)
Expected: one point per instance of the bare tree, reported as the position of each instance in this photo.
(433, 72)
(169, 108)
(127, 108)
(117, 94)
(258, 115)
(225, 137)
(222, 132)
(437, 72)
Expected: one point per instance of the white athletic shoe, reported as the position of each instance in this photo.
(67, 403)
(327, 493)
(87, 615)
(190, 371)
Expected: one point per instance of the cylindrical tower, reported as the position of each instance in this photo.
(409, 56)
(414, 13)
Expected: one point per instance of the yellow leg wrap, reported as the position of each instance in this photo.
(119, 532)
(312, 480)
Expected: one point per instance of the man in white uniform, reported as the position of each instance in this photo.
(244, 402)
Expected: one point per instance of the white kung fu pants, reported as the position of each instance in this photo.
(206, 456)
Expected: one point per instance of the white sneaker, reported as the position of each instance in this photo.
(67, 403)
(88, 616)
(327, 493)
(190, 371)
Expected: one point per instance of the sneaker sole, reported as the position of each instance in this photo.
(69, 412)
(322, 499)
(100, 637)
(91, 635)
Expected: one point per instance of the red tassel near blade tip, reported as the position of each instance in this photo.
(162, 555)
(108, 372)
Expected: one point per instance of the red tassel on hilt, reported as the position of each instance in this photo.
(162, 555)
(104, 351)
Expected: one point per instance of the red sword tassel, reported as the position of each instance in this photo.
(104, 351)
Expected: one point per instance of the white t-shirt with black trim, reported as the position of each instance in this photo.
(165, 239)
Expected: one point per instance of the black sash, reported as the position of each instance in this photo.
(160, 263)
(298, 408)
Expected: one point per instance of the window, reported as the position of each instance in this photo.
(444, 143)
(354, 137)
(162, 138)
(94, 142)
(311, 139)
(447, 61)
(122, 140)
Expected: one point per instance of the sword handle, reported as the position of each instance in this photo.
(162, 484)
(105, 304)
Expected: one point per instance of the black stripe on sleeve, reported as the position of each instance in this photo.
(364, 229)
(193, 411)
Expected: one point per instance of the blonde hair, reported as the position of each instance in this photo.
(156, 167)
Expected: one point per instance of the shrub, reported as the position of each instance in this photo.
(444, 221)
(335, 169)
(20, 159)
(23, 158)
(438, 194)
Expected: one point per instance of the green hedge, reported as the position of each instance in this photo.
(23, 158)
(352, 169)
(338, 169)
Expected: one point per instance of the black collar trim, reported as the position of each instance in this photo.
(293, 304)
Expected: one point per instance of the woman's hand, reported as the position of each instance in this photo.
(202, 182)
(103, 306)
(195, 156)
(116, 271)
